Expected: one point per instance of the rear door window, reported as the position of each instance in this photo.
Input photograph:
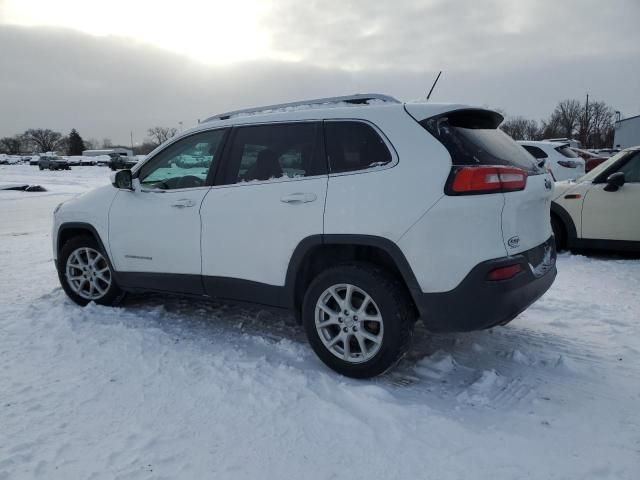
(274, 151)
(353, 146)
(472, 137)
(537, 152)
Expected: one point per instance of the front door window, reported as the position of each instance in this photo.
(185, 164)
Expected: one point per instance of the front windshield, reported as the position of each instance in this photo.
(603, 166)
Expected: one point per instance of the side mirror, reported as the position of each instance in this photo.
(123, 179)
(614, 182)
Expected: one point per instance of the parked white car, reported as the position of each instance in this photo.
(600, 210)
(360, 214)
(560, 159)
(10, 159)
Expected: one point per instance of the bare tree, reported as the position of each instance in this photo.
(592, 124)
(564, 121)
(597, 125)
(11, 145)
(520, 128)
(159, 135)
(551, 127)
(44, 140)
(107, 143)
(569, 112)
(91, 144)
(63, 145)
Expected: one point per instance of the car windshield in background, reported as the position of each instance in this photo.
(566, 151)
(472, 138)
(604, 165)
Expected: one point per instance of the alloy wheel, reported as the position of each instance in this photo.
(88, 273)
(349, 323)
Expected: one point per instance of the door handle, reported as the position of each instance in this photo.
(183, 203)
(299, 198)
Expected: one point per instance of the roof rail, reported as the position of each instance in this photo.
(360, 98)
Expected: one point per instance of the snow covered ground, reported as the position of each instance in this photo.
(176, 388)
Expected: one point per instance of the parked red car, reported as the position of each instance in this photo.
(591, 160)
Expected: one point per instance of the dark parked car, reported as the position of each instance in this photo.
(53, 163)
(118, 162)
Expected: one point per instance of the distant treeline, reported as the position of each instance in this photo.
(592, 124)
(40, 140)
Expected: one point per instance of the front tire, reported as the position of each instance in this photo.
(358, 320)
(86, 274)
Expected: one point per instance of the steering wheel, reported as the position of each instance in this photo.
(189, 181)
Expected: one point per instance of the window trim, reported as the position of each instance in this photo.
(395, 158)
(223, 166)
(210, 174)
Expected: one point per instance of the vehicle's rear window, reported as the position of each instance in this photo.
(535, 151)
(566, 151)
(472, 137)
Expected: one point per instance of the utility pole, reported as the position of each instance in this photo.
(131, 132)
(586, 123)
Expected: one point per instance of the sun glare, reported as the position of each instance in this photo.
(211, 31)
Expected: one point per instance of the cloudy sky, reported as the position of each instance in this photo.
(109, 67)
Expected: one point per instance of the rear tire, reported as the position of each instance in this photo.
(358, 319)
(86, 274)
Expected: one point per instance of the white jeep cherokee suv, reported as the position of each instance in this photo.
(360, 213)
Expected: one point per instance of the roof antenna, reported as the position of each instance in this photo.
(434, 85)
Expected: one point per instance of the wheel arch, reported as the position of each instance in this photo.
(318, 252)
(69, 230)
(566, 221)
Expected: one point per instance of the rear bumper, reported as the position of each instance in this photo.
(478, 303)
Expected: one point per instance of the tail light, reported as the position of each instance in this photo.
(568, 163)
(490, 179)
(504, 273)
